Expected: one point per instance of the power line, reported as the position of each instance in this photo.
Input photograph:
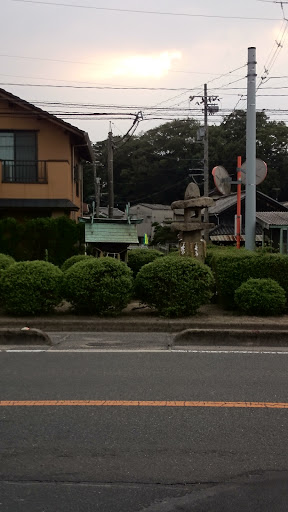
(65, 61)
(128, 88)
(279, 45)
(202, 85)
(131, 88)
(159, 13)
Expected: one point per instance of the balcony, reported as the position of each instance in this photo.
(24, 171)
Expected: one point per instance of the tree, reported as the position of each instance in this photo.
(163, 235)
(153, 166)
(228, 140)
(156, 166)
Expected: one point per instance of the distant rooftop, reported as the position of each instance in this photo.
(222, 203)
(272, 218)
(153, 206)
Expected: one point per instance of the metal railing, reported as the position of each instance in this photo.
(24, 171)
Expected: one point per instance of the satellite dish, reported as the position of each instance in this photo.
(261, 171)
(222, 180)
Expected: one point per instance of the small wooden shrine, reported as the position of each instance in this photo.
(111, 237)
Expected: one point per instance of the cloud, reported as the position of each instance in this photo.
(153, 65)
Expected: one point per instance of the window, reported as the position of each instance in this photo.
(18, 152)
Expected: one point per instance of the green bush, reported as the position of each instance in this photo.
(175, 286)
(5, 261)
(55, 239)
(137, 258)
(231, 268)
(99, 286)
(11, 236)
(74, 259)
(31, 287)
(260, 297)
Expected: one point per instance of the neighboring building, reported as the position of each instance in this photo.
(150, 213)
(104, 213)
(223, 212)
(40, 161)
(275, 229)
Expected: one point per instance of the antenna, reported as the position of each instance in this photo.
(261, 171)
(222, 180)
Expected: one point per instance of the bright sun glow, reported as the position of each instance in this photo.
(147, 65)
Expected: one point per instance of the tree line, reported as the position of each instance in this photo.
(156, 166)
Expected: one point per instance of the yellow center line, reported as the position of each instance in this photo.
(135, 403)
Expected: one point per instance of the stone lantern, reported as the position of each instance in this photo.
(191, 240)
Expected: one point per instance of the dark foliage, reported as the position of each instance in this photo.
(137, 258)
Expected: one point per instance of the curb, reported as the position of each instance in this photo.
(24, 336)
(149, 324)
(231, 337)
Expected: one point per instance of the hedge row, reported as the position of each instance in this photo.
(104, 286)
(51, 239)
(254, 282)
(232, 268)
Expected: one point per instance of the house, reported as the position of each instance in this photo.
(223, 213)
(104, 212)
(274, 229)
(150, 213)
(41, 160)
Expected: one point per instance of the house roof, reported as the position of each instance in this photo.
(62, 204)
(224, 202)
(81, 138)
(117, 214)
(154, 206)
(226, 233)
(269, 219)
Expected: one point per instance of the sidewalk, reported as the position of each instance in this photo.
(136, 318)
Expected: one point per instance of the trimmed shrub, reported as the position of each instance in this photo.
(31, 287)
(175, 286)
(74, 259)
(260, 297)
(137, 258)
(231, 268)
(5, 261)
(100, 286)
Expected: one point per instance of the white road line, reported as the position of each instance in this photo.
(26, 350)
(143, 351)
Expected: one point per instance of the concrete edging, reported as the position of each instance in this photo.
(229, 337)
(24, 336)
(130, 324)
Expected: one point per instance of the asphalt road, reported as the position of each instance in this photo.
(226, 451)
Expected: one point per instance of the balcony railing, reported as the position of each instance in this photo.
(24, 171)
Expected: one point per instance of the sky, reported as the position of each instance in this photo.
(96, 62)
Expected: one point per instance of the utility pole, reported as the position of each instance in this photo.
(110, 175)
(206, 161)
(206, 157)
(96, 187)
(250, 196)
(209, 107)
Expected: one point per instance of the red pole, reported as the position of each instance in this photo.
(238, 219)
